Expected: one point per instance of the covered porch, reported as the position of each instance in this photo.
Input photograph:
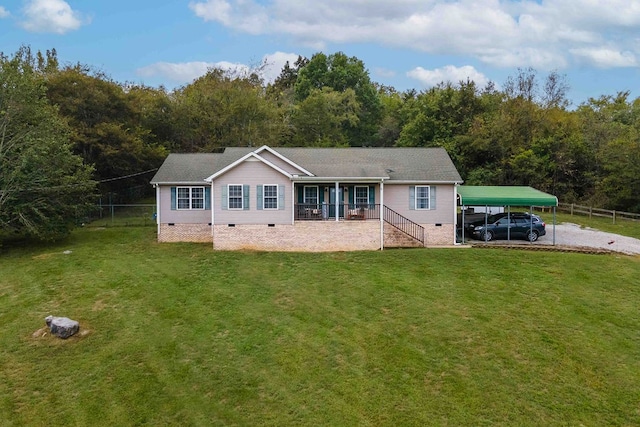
(337, 201)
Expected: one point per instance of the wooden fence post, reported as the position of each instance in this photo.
(614, 217)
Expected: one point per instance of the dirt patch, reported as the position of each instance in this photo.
(45, 334)
(99, 305)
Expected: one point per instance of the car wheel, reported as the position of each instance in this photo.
(487, 236)
(532, 236)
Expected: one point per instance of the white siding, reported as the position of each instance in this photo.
(252, 173)
(396, 197)
(180, 216)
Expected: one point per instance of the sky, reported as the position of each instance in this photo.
(406, 44)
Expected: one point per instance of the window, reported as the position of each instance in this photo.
(197, 198)
(361, 197)
(310, 195)
(190, 198)
(422, 197)
(235, 197)
(505, 221)
(270, 194)
(184, 198)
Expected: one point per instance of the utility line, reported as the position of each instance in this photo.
(125, 177)
(57, 187)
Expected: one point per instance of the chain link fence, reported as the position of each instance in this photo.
(121, 215)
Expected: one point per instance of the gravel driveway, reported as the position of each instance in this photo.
(573, 235)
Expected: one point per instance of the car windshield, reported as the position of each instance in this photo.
(493, 218)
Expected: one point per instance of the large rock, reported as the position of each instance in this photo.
(62, 327)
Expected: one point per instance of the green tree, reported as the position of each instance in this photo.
(339, 73)
(108, 128)
(153, 109)
(611, 132)
(439, 114)
(391, 121)
(320, 118)
(282, 90)
(526, 136)
(620, 186)
(221, 110)
(44, 188)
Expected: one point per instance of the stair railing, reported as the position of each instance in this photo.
(404, 224)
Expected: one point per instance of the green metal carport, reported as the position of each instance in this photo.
(506, 196)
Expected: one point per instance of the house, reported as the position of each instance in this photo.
(308, 199)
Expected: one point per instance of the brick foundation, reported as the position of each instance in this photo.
(312, 236)
(198, 233)
(439, 236)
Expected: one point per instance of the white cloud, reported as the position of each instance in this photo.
(606, 58)
(176, 72)
(213, 10)
(592, 14)
(4, 12)
(186, 72)
(50, 16)
(549, 34)
(449, 73)
(274, 64)
(244, 15)
(518, 57)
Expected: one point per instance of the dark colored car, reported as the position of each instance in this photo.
(517, 225)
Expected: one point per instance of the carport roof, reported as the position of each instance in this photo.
(504, 196)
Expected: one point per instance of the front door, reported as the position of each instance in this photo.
(332, 202)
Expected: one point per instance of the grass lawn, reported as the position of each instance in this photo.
(177, 334)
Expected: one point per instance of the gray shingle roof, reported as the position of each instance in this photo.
(402, 164)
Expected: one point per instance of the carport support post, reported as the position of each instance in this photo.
(554, 225)
(531, 221)
(486, 220)
(509, 223)
(463, 230)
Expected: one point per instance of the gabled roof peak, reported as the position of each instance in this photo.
(244, 158)
(283, 158)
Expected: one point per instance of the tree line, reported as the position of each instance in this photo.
(521, 134)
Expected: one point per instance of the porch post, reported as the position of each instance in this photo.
(381, 215)
(213, 205)
(337, 201)
(293, 202)
(455, 214)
